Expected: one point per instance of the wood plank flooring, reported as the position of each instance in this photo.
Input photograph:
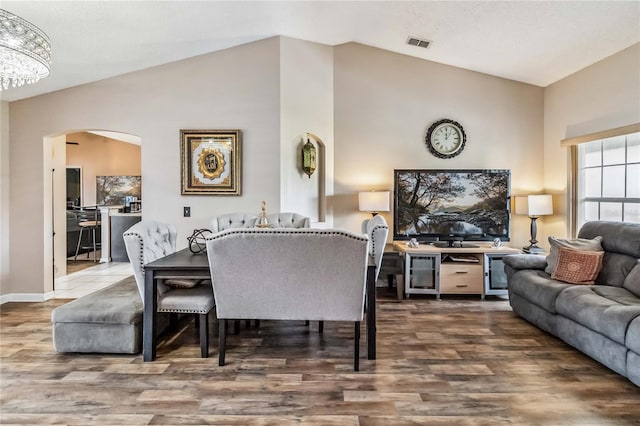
(459, 361)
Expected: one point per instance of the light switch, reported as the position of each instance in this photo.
(187, 211)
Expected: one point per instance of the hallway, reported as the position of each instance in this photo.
(88, 280)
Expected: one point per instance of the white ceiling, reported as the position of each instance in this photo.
(528, 41)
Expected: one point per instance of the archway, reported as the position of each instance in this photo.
(95, 153)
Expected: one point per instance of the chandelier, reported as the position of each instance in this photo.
(25, 51)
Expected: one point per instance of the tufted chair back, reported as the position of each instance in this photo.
(145, 242)
(377, 230)
(288, 220)
(302, 274)
(233, 220)
(288, 274)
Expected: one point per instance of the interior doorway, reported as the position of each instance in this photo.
(73, 161)
(74, 186)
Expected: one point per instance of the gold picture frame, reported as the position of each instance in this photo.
(210, 162)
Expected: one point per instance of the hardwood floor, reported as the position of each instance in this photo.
(459, 361)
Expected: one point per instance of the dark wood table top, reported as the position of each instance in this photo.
(183, 259)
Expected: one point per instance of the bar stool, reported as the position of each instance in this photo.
(88, 219)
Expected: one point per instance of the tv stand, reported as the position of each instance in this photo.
(433, 269)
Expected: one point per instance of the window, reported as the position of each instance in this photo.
(608, 179)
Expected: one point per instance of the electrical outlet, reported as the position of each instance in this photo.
(187, 211)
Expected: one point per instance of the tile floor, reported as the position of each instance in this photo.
(88, 280)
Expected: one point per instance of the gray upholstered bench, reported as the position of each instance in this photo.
(107, 321)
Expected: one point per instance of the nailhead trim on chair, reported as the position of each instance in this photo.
(183, 311)
(297, 231)
(373, 240)
(139, 237)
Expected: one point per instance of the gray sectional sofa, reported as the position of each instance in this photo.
(601, 320)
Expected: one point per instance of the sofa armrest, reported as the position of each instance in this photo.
(525, 261)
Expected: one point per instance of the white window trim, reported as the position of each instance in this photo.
(572, 144)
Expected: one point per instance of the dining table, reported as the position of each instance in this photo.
(185, 264)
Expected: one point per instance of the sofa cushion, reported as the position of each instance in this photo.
(119, 303)
(525, 261)
(615, 268)
(633, 336)
(605, 309)
(617, 237)
(577, 266)
(632, 282)
(584, 244)
(537, 287)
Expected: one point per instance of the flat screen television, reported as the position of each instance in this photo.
(113, 190)
(451, 205)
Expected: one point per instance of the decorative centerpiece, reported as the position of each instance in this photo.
(262, 220)
(197, 240)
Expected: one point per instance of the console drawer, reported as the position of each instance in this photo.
(461, 278)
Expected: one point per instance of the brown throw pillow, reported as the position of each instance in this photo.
(577, 266)
(576, 244)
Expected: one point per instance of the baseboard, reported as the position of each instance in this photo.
(26, 297)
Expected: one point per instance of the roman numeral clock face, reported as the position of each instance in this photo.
(445, 138)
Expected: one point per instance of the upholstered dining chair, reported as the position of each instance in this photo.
(302, 274)
(147, 241)
(247, 220)
(377, 230)
(233, 220)
(288, 220)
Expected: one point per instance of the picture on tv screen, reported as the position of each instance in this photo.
(112, 190)
(473, 204)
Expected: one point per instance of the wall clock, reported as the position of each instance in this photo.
(445, 138)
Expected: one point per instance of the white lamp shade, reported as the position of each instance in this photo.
(534, 205)
(373, 201)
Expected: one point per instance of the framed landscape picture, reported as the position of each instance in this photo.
(210, 162)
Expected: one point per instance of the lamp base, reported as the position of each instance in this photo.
(533, 249)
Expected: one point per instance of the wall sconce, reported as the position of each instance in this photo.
(373, 201)
(534, 206)
(308, 158)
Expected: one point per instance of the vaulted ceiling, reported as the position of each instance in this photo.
(528, 41)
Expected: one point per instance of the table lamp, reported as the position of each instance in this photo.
(373, 201)
(534, 206)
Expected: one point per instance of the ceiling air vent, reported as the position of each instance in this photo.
(413, 41)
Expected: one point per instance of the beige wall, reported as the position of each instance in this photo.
(232, 89)
(384, 103)
(5, 229)
(306, 106)
(274, 90)
(101, 156)
(602, 96)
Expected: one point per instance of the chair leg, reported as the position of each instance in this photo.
(320, 327)
(222, 340)
(204, 335)
(75, 258)
(236, 327)
(356, 348)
